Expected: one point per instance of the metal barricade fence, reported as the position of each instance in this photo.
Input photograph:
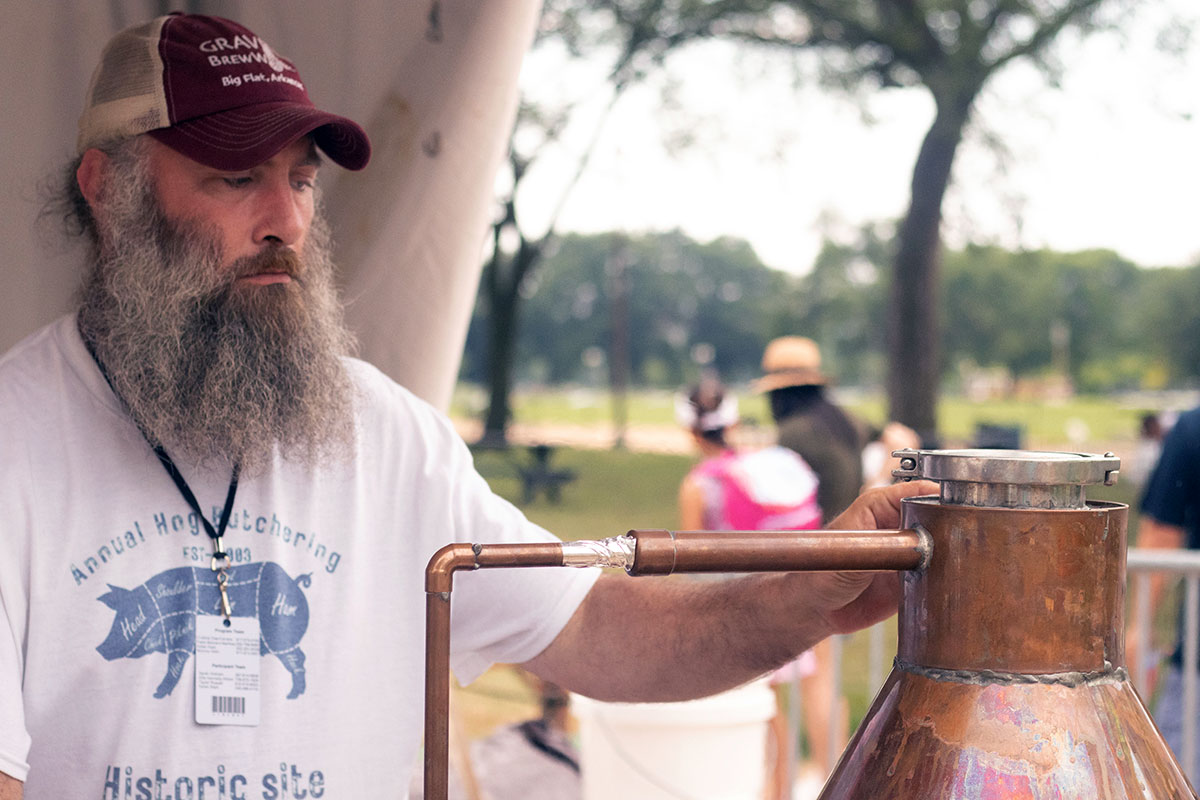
(1142, 564)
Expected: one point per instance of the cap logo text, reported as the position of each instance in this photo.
(264, 52)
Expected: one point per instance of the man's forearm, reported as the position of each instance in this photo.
(662, 639)
(670, 639)
(11, 788)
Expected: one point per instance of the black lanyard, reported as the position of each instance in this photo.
(217, 534)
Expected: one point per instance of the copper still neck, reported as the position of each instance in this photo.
(1016, 590)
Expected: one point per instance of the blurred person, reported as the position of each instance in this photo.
(832, 442)
(1170, 519)
(877, 459)
(829, 439)
(1151, 430)
(765, 489)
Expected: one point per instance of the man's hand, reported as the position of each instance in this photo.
(854, 600)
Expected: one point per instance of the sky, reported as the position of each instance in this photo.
(1109, 160)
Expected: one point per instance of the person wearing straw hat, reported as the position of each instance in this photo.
(216, 521)
(764, 489)
(809, 422)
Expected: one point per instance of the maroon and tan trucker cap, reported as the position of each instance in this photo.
(212, 90)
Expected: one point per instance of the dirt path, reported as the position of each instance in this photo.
(672, 439)
(640, 438)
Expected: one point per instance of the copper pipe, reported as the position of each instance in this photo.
(662, 552)
(439, 582)
(658, 552)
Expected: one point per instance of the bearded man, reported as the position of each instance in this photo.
(216, 522)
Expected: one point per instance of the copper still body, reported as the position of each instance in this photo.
(1009, 680)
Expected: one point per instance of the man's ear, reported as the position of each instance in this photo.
(90, 175)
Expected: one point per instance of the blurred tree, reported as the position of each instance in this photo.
(1170, 326)
(690, 305)
(1010, 309)
(693, 305)
(840, 302)
(632, 37)
(952, 48)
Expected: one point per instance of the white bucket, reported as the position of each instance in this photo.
(714, 748)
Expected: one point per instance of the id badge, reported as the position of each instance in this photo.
(227, 670)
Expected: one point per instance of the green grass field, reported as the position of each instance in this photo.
(1090, 424)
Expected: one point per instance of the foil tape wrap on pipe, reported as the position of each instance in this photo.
(613, 552)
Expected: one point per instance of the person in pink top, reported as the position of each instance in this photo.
(771, 488)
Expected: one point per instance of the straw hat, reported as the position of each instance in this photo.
(790, 361)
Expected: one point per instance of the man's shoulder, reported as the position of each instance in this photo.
(29, 362)
(1183, 438)
(377, 388)
(38, 344)
(383, 400)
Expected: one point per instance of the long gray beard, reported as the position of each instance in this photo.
(218, 372)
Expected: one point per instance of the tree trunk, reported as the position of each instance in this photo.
(913, 324)
(503, 307)
(618, 350)
(502, 344)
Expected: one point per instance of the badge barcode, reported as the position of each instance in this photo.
(229, 705)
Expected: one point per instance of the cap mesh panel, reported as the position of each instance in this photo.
(125, 97)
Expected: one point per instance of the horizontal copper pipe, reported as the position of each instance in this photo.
(439, 575)
(662, 552)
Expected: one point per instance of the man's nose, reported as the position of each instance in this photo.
(283, 214)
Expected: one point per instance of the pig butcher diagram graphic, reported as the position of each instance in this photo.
(159, 616)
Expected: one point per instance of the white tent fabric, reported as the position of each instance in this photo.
(434, 82)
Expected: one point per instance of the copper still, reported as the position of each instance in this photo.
(1009, 680)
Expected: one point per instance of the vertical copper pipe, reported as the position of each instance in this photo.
(439, 582)
(437, 695)
(658, 552)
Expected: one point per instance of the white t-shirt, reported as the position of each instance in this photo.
(102, 566)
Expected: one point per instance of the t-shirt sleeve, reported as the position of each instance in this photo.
(1174, 486)
(498, 615)
(506, 615)
(14, 738)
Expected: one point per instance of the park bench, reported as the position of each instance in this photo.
(538, 476)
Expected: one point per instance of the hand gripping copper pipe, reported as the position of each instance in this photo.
(640, 552)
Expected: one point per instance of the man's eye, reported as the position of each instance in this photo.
(237, 182)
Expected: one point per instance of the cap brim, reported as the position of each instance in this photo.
(245, 137)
